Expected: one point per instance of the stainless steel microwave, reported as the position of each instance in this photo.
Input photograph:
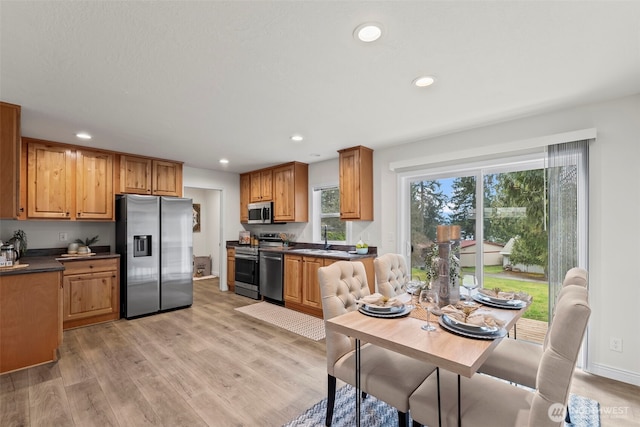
(261, 213)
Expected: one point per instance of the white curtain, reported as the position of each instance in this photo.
(568, 184)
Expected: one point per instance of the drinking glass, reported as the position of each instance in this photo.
(410, 287)
(428, 300)
(470, 282)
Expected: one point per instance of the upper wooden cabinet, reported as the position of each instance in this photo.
(356, 183)
(63, 183)
(245, 196)
(261, 186)
(142, 175)
(10, 201)
(291, 192)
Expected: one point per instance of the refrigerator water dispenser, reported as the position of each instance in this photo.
(142, 246)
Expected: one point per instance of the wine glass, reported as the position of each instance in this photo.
(428, 300)
(410, 287)
(470, 282)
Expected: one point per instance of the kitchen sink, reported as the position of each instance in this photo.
(321, 252)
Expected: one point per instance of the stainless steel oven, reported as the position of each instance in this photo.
(247, 272)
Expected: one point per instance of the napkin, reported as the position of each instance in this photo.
(473, 318)
(380, 300)
(507, 295)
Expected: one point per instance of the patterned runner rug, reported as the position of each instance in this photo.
(374, 413)
(300, 323)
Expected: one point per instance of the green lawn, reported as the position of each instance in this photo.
(539, 309)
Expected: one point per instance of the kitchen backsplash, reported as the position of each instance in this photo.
(46, 234)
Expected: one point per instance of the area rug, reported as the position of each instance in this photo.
(374, 413)
(300, 323)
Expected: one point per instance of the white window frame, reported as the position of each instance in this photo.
(316, 218)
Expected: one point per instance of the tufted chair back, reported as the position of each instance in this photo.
(391, 274)
(341, 284)
(560, 355)
(576, 276)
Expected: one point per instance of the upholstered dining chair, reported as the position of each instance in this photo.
(391, 274)
(486, 401)
(517, 360)
(389, 376)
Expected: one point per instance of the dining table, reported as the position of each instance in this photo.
(457, 353)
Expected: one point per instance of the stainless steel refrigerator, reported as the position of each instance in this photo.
(154, 240)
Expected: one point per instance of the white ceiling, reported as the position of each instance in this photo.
(199, 80)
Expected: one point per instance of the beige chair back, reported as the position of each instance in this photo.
(391, 274)
(560, 355)
(341, 284)
(576, 276)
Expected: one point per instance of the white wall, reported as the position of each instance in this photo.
(614, 203)
(206, 242)
(229, 200)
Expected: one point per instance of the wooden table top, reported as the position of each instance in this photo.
(449, 351)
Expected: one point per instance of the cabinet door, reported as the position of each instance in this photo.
(245, 196)
(89, 295)
(284, 194)
(261, 186)
(310, 286)
(50, 181)
(167, 178)
(349, 185)
(94, 185)
(293, 278)
(231, 269)
(9, 161)
(135, 175)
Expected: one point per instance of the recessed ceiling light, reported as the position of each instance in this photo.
(83, 135)
(314, 155)
(368, 32)
(424, 81)
(224, 161)
(296, 138)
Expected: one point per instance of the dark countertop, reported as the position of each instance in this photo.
(41, 264)
(345, 255)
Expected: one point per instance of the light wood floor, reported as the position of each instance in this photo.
(207, 365)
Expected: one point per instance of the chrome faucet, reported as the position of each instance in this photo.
(326, 244)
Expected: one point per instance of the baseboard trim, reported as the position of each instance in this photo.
(628, 377)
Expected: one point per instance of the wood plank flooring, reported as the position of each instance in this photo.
(206, 365)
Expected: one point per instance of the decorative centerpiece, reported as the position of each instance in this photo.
(362, 248)
(19, 242)
(84, 245)
(443, 266)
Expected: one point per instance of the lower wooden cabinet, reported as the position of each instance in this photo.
(91, 292)
(231, 269)
(301, 285)
(30, 324)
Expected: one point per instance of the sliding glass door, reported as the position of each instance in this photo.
(501, 211)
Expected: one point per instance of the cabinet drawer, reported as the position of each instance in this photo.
(90, 266)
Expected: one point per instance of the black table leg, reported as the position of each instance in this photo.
(439, 409)
(358, 382)
(459, 410)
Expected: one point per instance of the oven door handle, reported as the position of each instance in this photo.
(249, 257)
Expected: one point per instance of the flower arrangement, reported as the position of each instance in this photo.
(432, 259)
(88, 241)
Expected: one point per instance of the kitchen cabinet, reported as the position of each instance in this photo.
(231, 269)
(292, 279)
(245, 196)
(301, 285)
(30, 322)
(356, 183)
(291, 192)
(68, 183)
(261, 186)
(143, 175)
(10, 147)
(91, 291)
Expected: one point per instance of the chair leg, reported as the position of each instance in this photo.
(403, 420)
(567, 417)
(364, 395)
(331, 399)
(416, 424)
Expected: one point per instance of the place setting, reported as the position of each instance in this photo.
(471, 322)
(501, 299)
(377, 305)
